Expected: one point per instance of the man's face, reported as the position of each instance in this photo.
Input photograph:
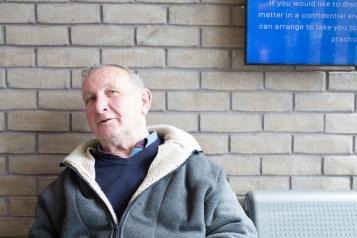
(113, 105)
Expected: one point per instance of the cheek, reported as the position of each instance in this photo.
(89, 116)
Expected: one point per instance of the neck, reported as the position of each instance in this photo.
(123, 146)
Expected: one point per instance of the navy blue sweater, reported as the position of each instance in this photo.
(119, 177)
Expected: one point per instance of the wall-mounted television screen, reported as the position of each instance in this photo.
(301, 32)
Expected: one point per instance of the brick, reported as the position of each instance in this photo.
(15, 226)
(77, 78)
(198, 58)
(17, 13)
(262, 101)
(2, 206)
(323, 144)
(168, 36)
(2, 78)
(102, 35)
(224, 1)
(230, 122)
(199, 15)
(223, 37)
(346, 81)
(320, 183)
(68, 13)
(261, 143)
(23, 206)
(43, 182)
(242, 185)
(185, 121)
(295, 81)
(293, 122)
(354, 186)
(238, 165)
(158, 101)
(2, 121)
(17, 185)
(61, 143)
(67, 57)
(12, 56)
(291, 165)
(36, 35)
(134, 13)
(135, 57)
(79, 122)
(64, 100)
(17, 99)
(238, 63)
(116, 1)
(35, 164)
(324, 68)
(341, 123)
(2, 166)
(38, 0)
(239, 16)
(324, 102)
(213, 143)
(38, 78)
(198, 101)
(232, 80)
(340, 165)
(38, 121)
(1, 35)
(17, 143)
(170, 79)
(169, 1)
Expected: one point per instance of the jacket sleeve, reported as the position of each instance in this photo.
(224, 216)
(43, 226)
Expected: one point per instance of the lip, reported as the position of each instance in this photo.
(104, 120)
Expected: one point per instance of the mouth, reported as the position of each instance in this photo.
(104, 121)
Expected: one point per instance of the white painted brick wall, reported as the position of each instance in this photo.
(15, 56)
(199, 15)
(232, 80)
(17, 13)
(198, 58)
(67, 57)
(2, 79)
(38, 78)
(68, 13)
(102, 35)
(168, 36)
(345, 81)
(135, 57)
(262, 101)
(134, 13)
(269, 127)
(37, 35)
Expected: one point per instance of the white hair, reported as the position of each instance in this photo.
(133, 75)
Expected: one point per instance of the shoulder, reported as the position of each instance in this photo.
(202, 168)
(199, 160)
(56, 187)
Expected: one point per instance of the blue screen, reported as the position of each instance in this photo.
(316, 32)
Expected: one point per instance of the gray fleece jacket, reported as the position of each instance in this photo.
(183, 195)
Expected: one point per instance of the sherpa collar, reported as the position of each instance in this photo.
(177, 147)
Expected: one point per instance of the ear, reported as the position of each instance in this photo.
(146, 98)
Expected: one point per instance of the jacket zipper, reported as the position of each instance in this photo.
(123, 217)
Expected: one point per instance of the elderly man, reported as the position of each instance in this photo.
(134, 181)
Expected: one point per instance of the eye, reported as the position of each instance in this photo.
(113, 92)
(89, 100)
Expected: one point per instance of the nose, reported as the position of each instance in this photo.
(101, 105)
